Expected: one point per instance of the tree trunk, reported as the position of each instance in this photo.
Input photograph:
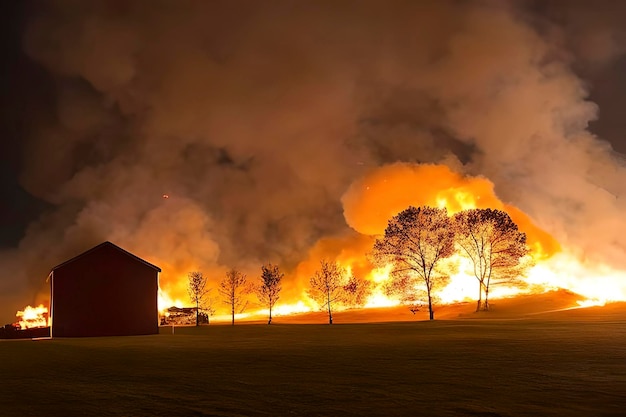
(270, 319)
(486, 305)
(233, 314)
(480, 296)
(430, 307)
(330, 314)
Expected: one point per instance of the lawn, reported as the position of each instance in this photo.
(530, 367)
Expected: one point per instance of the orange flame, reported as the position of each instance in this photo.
(32, 317)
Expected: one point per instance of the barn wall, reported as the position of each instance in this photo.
(104, 293)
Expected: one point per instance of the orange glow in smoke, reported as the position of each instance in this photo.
(370, 202)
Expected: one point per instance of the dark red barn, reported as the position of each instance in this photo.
(105, 291)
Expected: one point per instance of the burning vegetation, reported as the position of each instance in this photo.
(33, 322)
(32, 317)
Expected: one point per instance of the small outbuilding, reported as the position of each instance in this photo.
(105, 291)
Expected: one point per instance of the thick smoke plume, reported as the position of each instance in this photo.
(254, 118)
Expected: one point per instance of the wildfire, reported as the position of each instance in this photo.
(283, 310)
(371, 201)
(378, 298)
(32, 317)
(599, 283)
(287, 309)
(165, 301)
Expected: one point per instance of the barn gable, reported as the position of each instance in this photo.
(99, 247)
(105, 291)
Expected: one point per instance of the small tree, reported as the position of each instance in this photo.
(197, 291)
(233, 289)
(356, 291)
(328, 286)
(492, 241)
(415, 241)
(269, 289)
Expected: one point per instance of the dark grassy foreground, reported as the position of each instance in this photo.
(446, 368)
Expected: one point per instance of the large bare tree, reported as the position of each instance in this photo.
(415, 241)
(492, 241)
(197, 290)
(268, 291)
(327, 286)
(233, 288)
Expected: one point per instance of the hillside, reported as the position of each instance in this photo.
(555, 304)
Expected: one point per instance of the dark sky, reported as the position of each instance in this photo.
(22, 85)
(255, 117)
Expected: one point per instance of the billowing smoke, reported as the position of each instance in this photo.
(254, 118)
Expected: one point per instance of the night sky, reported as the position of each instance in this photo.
(255, 117)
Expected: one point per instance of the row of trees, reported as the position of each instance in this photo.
(330, 285)
(416, 243)
(419, 239)
(234, 290)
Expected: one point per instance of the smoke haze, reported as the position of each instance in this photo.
(254, 118)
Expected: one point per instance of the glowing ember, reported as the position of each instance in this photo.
(32, 317)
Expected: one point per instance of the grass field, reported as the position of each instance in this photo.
(565, 364)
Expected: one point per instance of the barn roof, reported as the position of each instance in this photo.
(107, 243)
